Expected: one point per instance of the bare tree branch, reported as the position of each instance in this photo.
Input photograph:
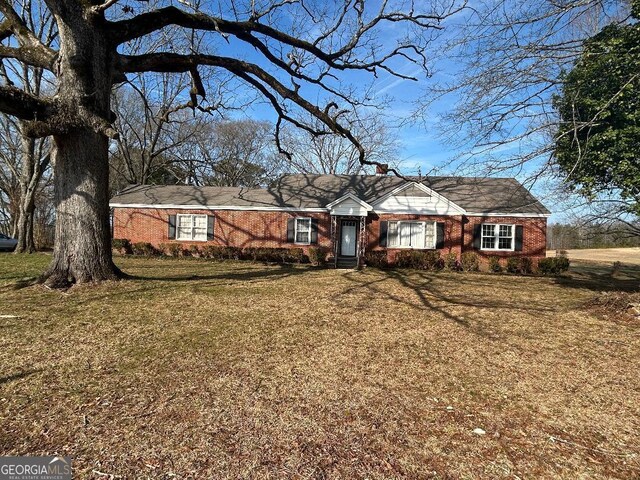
(32, 51)
(170, 62)
(146, 23)
(25, 106)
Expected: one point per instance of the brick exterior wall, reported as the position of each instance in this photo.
(452, 232)
(232, 227)
(269, 229)
(534, 238)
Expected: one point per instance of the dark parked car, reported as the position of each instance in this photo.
(7, 243)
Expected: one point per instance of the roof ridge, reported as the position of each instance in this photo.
(295, 190)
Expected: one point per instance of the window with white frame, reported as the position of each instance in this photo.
(191, 227)
(303, 230)
(497, 237)
(406, 234)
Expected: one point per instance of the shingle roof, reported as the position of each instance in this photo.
(474, 194)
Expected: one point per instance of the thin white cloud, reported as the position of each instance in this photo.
(397, 81)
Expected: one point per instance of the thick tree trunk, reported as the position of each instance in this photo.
(29, 181)
(82, 249)
(26, 243)
(14, 212)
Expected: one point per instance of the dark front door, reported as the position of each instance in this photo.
(348, 238)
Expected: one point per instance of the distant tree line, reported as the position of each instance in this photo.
(574, 236)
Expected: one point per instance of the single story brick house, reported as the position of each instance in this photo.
(347, 214)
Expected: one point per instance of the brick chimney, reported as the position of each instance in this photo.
(382, 169)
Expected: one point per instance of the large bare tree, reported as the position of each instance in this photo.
(24, 156)
(300, 44)
(153, 124)
(504, 62)
(24, 163)
(10, 168)
(234, 153)
(334, 154)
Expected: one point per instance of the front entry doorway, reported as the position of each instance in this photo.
(348, 238)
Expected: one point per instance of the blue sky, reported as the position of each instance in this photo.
(421, 146)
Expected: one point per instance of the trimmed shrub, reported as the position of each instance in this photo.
(562, 264)
(553, 265)
(216, 252)
(172, 249)
(318, 255)
(194, 251)
(408, 259)
(469, 262)
(514, 265)
(252, 253)
(231, 253)
(257, 254)
(420, 260)
(494, 264)
(274, 255)
(432, 260)
(526, 265)
(121, 246)
(261, 255)
(294, 255)
(546, 266)
(451, 262)
(143, 248)
(376, 259)
(208, 251)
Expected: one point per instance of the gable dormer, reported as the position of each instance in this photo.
(349, 205)
(416, 198)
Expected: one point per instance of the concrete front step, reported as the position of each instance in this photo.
(346, 263)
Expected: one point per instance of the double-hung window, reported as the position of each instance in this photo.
(191, 227)
(303, 230)
(497, 237)
(408, 234)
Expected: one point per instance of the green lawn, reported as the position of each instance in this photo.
(236, 370)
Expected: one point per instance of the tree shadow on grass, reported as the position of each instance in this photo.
(599, 277)
(429, 294)
(246, 273)
(436, 298)
(18, 376)
(233, 276)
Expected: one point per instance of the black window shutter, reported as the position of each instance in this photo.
(314, 230)
(519, 236)
(172, 227)
(291, 230)
(210, 222)
(477, 236)
(384, 227)
(440, 235)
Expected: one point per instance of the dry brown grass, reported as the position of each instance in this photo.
(629, 256)
(204, 370)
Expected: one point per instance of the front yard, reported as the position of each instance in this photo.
(236, 370)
